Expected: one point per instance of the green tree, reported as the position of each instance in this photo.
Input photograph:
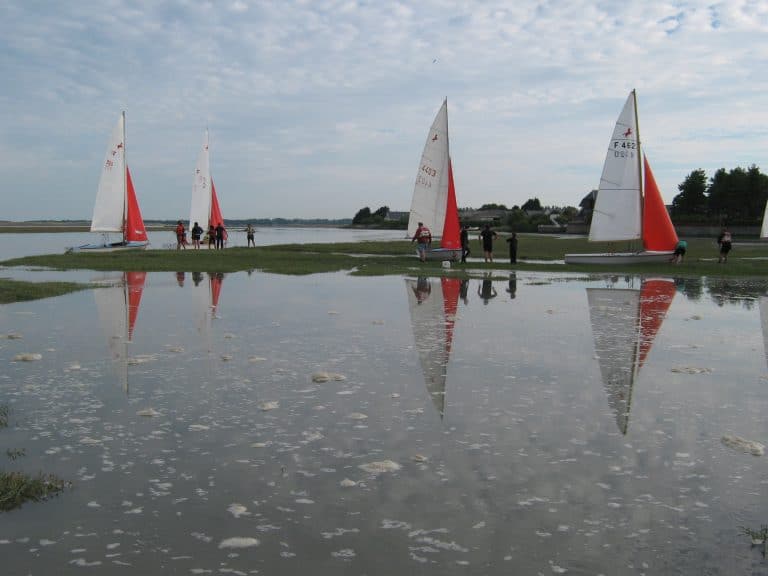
(693, 194)
(493, 207)
(363, 215)
(532, 204)
(381, 213)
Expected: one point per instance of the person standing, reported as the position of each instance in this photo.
(487, 237)
(220, 231)
(249, 234)
(423, 238)
(211, 236)
(181, 236)
(512, 241)
(197, 233)
(464, 242)
(724, 240)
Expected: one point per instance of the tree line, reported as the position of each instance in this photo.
(731, 197)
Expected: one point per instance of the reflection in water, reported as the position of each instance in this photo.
(624, 324)
(180, 278)
(197, 277)
(208, 306)
(485, 290)
(118, 308)
(464, 290)
(512, 289)
(433, 313)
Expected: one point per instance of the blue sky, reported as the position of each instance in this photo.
(318, 108)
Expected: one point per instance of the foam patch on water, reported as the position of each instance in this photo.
(27, 357)
(743, 445)
(239, 542)
(380, 467)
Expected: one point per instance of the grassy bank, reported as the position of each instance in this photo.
(19, 291)
(536, 252)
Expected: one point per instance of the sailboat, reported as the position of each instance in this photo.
(118, 308)
(764, 226)
(628, 206)
(434, 193)
(624, 325)
(116, 208)
(205, 208)
(207, 298)
(433, 304)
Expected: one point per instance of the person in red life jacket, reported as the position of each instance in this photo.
(423, 237)
(181, 236)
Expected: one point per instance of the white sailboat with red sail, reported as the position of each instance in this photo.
(434, 193)
(116, 209)
(432, 304)
(624, 325)
(629, 207)
(118, 309)
(205, 209)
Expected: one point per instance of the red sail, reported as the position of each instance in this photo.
(655, 298)
(658, 232)
(134, 230)
(451, 289)
(134, 281)
(451, 232)
(215, 216)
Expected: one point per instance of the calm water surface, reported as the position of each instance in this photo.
(542, 424)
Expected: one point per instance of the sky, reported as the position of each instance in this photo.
(317, 108)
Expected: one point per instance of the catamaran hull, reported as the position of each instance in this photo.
(443, 254)
(109, 247)
(620, 257)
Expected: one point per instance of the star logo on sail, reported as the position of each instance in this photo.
(434, 138)
(628, 133)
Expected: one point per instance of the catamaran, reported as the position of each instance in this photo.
(434, 193)
(433, 304)
(628, 206)
(624, 325)
(205, 208)
(116, 208)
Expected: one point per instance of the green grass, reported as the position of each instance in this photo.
(20, 291)
(18, 487)
(535, 252)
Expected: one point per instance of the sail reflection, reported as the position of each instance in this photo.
(624, 325)
(433, 304)
(207, 297)
(118, 309)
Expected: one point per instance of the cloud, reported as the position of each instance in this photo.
(323, 107)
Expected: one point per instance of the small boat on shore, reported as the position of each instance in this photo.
(629, 206)
(116, 209)
(434, 193)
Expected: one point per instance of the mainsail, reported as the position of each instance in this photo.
(430, 192)
(617, 211)
(205, 208)
(624, 325)
(433, 305)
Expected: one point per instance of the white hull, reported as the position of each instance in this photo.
(109, 247)
(443, 254)
(620, 258)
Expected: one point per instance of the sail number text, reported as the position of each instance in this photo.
(429, 171)
(624, 148)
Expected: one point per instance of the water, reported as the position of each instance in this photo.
(18, 245)
(495, 442)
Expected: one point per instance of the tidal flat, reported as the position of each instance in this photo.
(520, 421)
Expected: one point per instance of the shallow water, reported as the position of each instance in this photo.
(517, 435)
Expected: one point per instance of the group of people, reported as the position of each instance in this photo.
(423, 238)
(217, 235)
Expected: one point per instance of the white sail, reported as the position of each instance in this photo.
(614, 314)
(201, 189)
(109, 209)
(764, 227)
(430, 192)
(763, 304)
(617, 214)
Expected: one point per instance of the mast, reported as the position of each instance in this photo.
(125, 183)
(639, 165)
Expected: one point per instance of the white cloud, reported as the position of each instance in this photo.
(323, 107)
